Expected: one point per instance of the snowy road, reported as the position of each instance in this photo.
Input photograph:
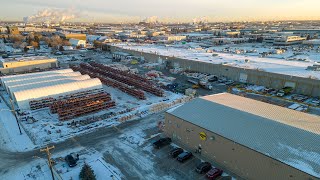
(10, 160)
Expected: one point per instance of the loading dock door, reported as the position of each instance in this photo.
(290, 84)
(243, 77)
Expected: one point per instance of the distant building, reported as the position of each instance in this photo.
(252, 139)
(232, 33)
(173, 38)
(26, 64)
(229, 40)
(68, 36)
(312, 33)
(312, 42)
(77, 43)
(289, 40)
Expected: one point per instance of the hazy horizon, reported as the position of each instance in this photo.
(165, 11)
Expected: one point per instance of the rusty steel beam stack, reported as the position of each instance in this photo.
(127, 78)
(88, 107)
(97, 73)
(46, 102)
(41, 103)
(125, 73)
(73, 102)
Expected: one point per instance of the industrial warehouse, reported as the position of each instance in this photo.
(272, 73)
(27, 64)
(253, 139)
(84, 94)
(24, 88)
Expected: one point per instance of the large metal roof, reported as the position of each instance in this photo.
(38, 74)
(283, 115)
(22, 98)
(46, 83)
(45, 77)
(292, 138)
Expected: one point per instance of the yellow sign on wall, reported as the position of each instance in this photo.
(203, 136)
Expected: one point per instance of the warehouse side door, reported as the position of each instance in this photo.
(243, 77)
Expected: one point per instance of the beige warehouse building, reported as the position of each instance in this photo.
(26, 64)
(252, 139)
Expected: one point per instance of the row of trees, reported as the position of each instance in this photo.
(34, 40)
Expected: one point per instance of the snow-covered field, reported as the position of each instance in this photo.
(275, 65)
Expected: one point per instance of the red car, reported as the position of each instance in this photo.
(214, 173)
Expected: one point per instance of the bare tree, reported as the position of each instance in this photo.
(22, 45)
(34, 44)
(16, 38)
(56, 41)
(66, 43)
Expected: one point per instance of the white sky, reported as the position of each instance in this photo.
(168, 10)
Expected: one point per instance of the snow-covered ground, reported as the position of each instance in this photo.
(275, 65)
(10, 137)
(47, 128)
(94, 159)
(38, 168)
(35, 170)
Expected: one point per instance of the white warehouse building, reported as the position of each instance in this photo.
(39, 84)
(48, 77)
(35, 75)
(25, 88)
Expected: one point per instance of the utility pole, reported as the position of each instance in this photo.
(47, 150)
(14, 113)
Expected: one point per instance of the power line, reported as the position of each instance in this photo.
(47, 150)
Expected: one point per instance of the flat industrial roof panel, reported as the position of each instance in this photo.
(288, 144)
(283, 115)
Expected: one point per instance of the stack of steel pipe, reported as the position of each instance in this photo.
(73, 102)
(118, 75)
(97, 73)
(88, 107)
(124, 73)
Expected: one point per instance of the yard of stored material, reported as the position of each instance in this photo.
(182, 80)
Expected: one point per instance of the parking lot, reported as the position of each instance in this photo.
(138, 159)
(185, 169)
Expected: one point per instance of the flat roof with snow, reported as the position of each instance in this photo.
(31, 58)
(283, 134)
(273, 65)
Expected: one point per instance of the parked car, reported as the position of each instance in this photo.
(203, 167)
(184, 156)
(229, 82)
(214, 173)
(175, 152)
(71, 160)
(58, 53)
(161, 142)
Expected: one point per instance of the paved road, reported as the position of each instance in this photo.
(15, 159)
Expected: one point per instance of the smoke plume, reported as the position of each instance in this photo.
(151, 20)
(52, 15)
(201, 20)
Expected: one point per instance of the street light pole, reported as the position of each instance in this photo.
(47, 150)
(14, 113)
